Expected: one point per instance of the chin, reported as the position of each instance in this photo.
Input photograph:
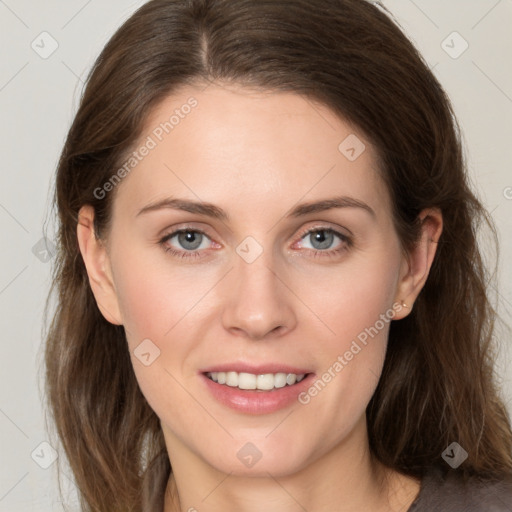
(261, 458)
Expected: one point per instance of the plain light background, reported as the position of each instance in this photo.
(38, 97)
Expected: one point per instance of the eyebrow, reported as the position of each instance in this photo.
(211, 210)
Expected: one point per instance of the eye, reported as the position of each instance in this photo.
(190, 243)
(322, 239)
(190, 240)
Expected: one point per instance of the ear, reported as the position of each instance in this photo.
(97, 263)
(417, 263)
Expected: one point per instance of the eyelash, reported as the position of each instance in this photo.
(347, 243)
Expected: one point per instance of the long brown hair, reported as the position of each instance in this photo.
(437, 384)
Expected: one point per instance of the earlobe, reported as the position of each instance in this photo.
(418, 262)
(97, 264)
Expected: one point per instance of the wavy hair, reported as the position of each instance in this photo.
(438, 383)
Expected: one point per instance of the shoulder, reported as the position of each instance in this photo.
(449, 492)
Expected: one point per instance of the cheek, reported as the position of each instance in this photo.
(154, 296)
(357, 307)
(352, 299)
(156, 301)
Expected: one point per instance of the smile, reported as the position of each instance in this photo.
(251, 381)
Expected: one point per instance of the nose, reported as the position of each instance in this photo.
(259, 305)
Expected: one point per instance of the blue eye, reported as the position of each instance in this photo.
(190, 241)
(322, 238)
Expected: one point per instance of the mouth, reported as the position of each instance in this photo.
(256, 382)
(256, 390)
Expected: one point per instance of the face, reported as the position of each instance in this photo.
(262, 289)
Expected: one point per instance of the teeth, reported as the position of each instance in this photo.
(247, 381)
(280, 380)
(265, 382)
(232, 379)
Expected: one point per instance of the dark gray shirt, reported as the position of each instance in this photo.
(450, 493)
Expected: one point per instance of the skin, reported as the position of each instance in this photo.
(256, 155)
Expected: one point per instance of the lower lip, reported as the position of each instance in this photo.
(255, 401)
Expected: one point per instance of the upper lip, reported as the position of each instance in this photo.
(256, 369)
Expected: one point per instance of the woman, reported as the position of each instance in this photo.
(270, 295)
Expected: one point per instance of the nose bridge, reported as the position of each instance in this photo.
(258, 302)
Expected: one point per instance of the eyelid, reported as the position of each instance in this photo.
(326, 227)
(190, 226)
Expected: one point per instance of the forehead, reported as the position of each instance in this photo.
(209, 143)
